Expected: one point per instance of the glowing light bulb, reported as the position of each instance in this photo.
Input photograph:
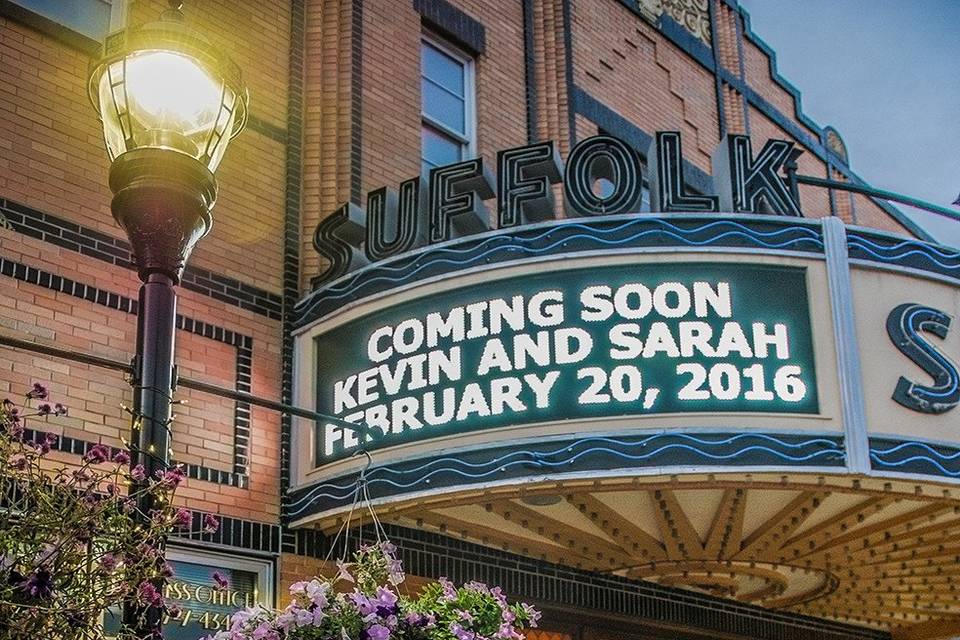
(169, 91)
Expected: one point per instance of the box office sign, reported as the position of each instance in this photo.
(203, 606)
(580, 344)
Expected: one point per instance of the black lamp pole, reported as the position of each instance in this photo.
(169, 103)
(162, 199)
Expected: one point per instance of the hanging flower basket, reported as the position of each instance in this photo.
(363, 602)
(374, 609)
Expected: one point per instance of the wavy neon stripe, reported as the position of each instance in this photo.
(813, 235)
(883, 257)
(905, 243)
(536, 455)
(677, 232)
(536, 458)
(613, 441)
(920, 445)
(426, 478)
(592, 234)
(906, 461)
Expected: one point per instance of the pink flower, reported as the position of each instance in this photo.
(17, 462)
(121, 457)
(222, 582)
(171, 478)
(108, 562)
(148, 594)
(183, 518)
(138, 473)
(210, 523)
(97, 454)
(39, 392)
(49, 439)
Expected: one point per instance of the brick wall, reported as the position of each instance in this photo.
(67, 280)
(627, 64)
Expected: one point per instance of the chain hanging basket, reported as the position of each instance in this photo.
(365, 600)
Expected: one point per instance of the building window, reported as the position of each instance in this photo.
(91, 18)
(447, 105)
(205, 607)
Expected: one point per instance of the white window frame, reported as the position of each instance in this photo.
(118, 16)
(468, 142)
(263, 567)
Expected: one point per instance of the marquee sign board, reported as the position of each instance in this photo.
(638, 339)
(629, 345)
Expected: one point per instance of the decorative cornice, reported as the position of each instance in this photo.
(560, 458)
(563, 238)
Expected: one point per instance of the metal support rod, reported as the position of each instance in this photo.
(150, 430)
(187, 383)
(880, 193)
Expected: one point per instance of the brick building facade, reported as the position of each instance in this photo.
(336, 111)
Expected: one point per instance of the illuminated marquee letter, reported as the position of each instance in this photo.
(402, 215)
(665, 164)
(903, 325)
(608, 158)
(339, 239)
(524, 177)
(457, 192)
(753, 185)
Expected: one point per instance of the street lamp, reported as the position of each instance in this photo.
(169, 103)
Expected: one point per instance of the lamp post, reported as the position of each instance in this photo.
(169, 104)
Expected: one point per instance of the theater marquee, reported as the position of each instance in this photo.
(615, 340)
(611, 347)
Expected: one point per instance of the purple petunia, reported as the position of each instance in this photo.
(98, 453)
(377, 632)
(39, 584)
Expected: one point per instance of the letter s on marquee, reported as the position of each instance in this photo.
(339, 238)
(903, 325)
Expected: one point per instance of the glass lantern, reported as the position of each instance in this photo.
(162, 86)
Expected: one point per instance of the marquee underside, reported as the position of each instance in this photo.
(878, 551)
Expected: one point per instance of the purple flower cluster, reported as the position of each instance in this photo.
(98, 454)
(316, 611)
(74, 527)
(171, 478)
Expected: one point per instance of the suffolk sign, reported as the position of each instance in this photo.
(599, 342)
(452, 204)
